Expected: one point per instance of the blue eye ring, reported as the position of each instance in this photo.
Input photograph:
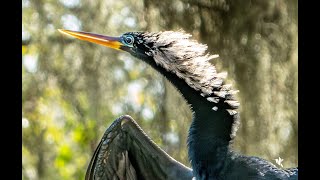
(128, 40)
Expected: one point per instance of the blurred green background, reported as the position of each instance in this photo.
(72, 90)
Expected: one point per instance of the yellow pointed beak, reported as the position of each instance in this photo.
(111, 42)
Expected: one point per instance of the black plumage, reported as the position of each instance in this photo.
(126, 152)
(215, 118)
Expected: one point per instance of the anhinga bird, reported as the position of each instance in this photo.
(126, 152)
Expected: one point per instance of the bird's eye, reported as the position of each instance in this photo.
(128, 40)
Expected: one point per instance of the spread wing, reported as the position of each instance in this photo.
(125, 152)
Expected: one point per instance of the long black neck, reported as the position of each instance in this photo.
(209, 134)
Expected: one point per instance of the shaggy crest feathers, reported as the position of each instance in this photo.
(186, 58)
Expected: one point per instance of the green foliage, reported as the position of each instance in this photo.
(73, 90)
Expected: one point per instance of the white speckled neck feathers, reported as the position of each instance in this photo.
(186, 58)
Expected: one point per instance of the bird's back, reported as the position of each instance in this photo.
(250, 167)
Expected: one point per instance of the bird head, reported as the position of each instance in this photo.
(132, 42)
(173, 51)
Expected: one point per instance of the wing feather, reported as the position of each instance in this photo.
(125, 152)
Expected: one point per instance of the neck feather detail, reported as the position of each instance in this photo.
(187, 59)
